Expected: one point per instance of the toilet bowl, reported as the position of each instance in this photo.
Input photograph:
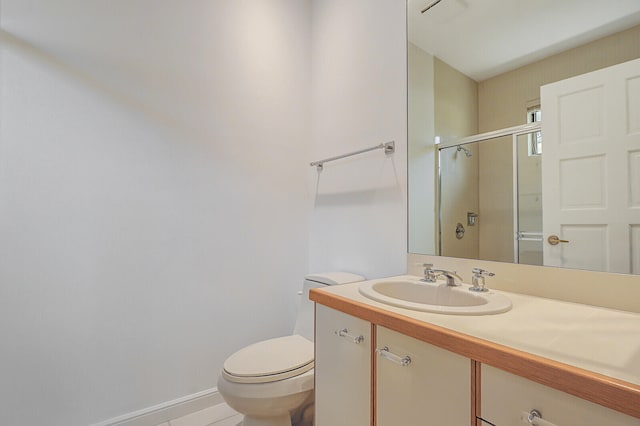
(266, 390)
(270, 380)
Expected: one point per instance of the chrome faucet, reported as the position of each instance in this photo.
(477, 281)
(431, 275)
(449, 275)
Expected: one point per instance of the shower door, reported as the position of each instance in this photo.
(528, 200)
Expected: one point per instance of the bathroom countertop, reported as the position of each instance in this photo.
(588, 351)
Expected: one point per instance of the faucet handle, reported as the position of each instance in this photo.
(426, 266)
(477, 280)
(482, 272)
(429, 274)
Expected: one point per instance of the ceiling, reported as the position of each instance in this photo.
(484, 38)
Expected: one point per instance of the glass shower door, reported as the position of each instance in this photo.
(528, 172)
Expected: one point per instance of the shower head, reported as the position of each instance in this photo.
(466, 151)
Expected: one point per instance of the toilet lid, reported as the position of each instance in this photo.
(270, 360)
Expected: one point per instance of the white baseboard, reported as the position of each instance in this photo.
(166, 411)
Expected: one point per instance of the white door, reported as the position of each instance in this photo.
(591, 170)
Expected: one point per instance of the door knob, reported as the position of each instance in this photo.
(554, 240)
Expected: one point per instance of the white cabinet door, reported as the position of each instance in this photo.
(505, 397)
(433, 389)
(342, 369)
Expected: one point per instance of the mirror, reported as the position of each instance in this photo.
(477, 68)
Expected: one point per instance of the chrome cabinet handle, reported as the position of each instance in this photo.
(353, 339)
(402, 360)
(534, 418)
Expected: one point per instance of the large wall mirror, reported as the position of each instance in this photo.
(524, 131)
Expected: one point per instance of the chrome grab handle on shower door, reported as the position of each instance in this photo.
(528, 236)
(402, 360)
(353, 339)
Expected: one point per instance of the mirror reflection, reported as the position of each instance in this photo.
(566, 194)
(466, 189)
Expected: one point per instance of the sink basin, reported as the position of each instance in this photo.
(434, 297)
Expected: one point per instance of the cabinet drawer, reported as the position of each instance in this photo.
(506, 396)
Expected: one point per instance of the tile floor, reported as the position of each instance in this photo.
(218, 415)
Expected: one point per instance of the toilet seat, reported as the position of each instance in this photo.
(270, 360)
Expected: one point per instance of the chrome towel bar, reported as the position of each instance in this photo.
(389, 148)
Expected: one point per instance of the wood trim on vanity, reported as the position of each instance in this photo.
(475, 392)
(374, 345)
(315, 356)
(616, 394)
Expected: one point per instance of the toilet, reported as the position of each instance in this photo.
(271, 381)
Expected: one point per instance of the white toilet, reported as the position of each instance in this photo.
(273, 379)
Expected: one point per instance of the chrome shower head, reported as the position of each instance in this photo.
(466, 151)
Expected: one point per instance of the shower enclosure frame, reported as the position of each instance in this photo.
(514, 132)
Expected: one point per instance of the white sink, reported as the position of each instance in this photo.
(435, 297)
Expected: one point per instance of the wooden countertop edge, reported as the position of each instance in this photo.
(609, 392)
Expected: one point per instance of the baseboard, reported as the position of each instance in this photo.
(166, 411)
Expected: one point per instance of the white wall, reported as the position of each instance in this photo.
(154, 211)
(153, 203)
(358, 100)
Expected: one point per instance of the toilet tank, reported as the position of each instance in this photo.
(304, 321)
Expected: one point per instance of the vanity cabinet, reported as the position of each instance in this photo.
(415, 382)
(343, 369)
(408, 370)
(506, 397)
(418, 383)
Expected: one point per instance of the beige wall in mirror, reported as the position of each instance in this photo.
(467, 200)
(456, 115)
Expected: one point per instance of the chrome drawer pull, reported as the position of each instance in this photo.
(402, 360)
(345, 333)
(534, 418)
